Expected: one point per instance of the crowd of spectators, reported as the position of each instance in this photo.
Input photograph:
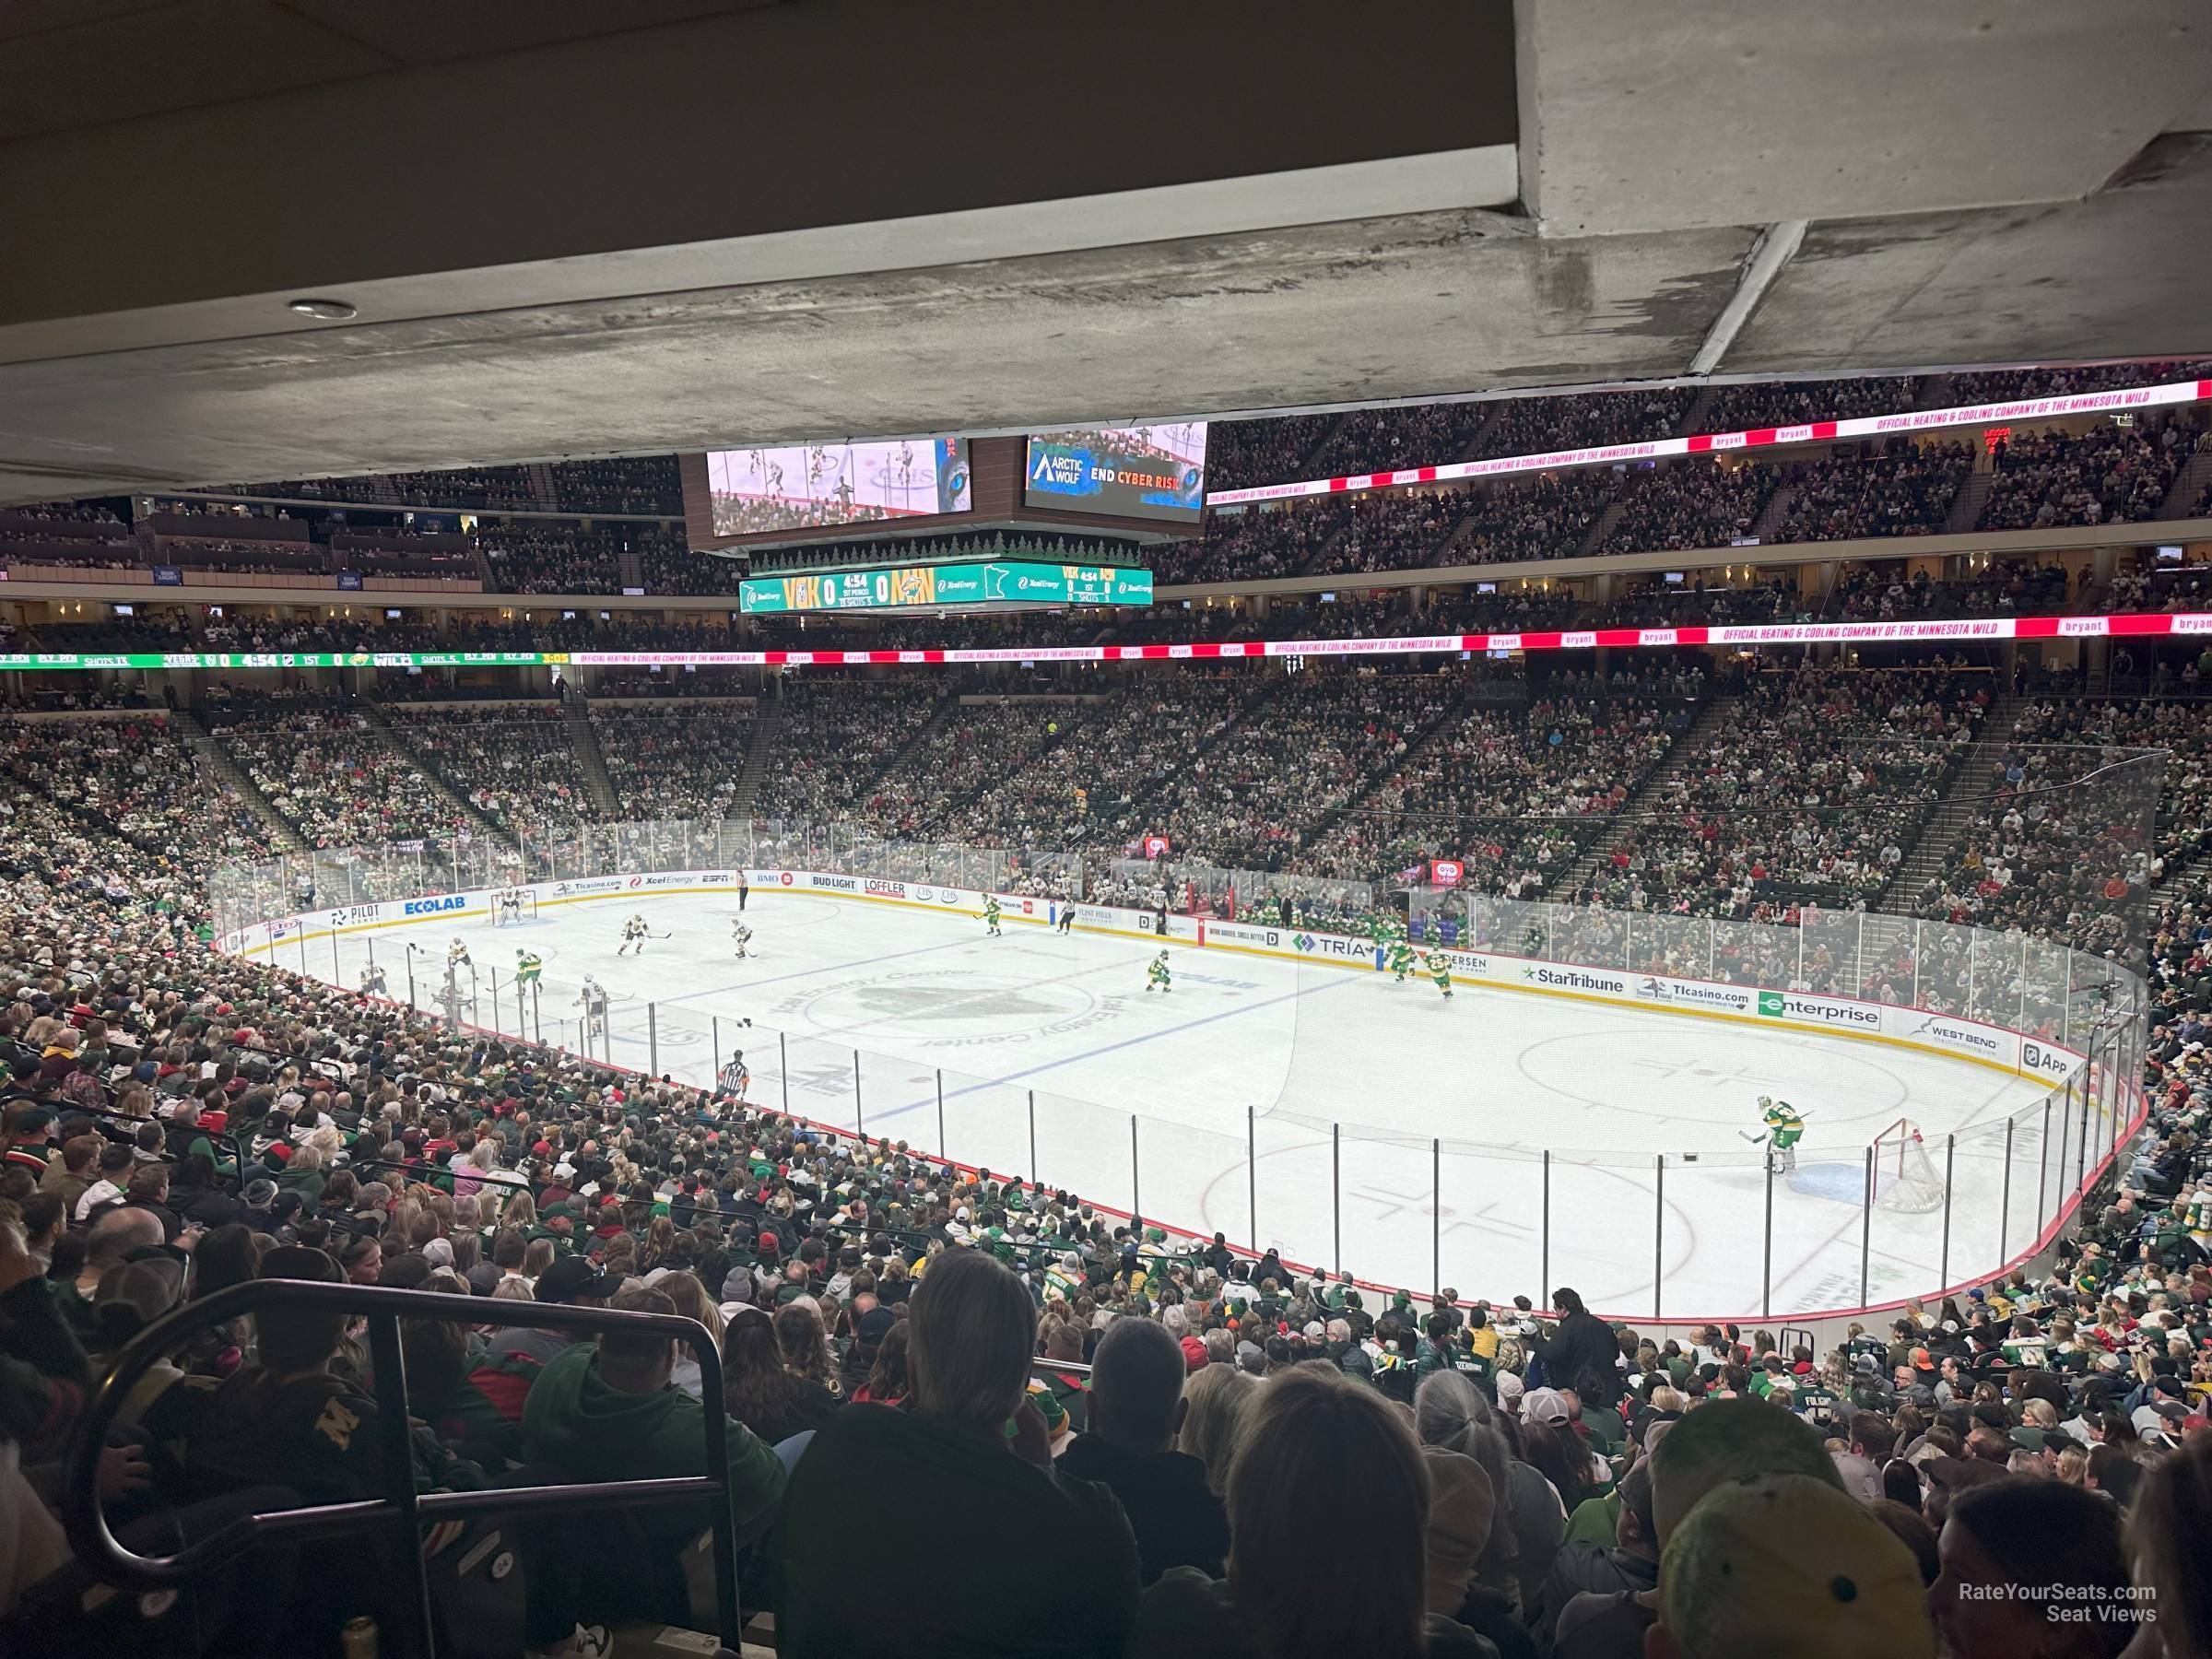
(2109, 474)
(2016, 386)
(1886, 594)
(515, 764)
(1256, 798)
(1690, 504)
(1085, 768)
(1245, 1457)
(1243, 452)
(1805, 787)
(628, 484)
(333, 777)
(1904, 491)
(670, 566)
(1291, 1461)
(1390, 532)
(525, 556)
(1541, 425)
(1750, 408)
(672, 762)
(1372, 441)
(1513, 793)
(834, 738)
(135, 778)
(2075, 822)
(1253, 545)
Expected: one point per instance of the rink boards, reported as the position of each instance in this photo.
(2019, 1054)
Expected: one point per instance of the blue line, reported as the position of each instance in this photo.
(777, 979)
(1330, 984)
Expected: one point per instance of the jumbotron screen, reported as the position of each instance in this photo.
(1136, 472)
(760, 491)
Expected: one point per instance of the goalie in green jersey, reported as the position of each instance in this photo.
(1785, 1130)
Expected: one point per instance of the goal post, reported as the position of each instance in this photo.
(509, 905)
(1905, 1177)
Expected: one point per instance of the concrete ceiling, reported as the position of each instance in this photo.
(744, 221)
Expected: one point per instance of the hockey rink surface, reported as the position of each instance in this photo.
(868, 1016)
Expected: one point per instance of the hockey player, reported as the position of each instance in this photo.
(456, 956)
(593, 1000)
(1785, 1130)
(1439, 971)
(1156, 975)
(373, 982)
(1398, 958)
(634, 932)
(1067, 917)
(528, 965)
(991, 928)
(741, 935)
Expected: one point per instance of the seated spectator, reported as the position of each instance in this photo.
(1137, 1407)
(290, 1418)
(1059, 1573)
(760, 1390)
(1328, 1512)
(1789, 1566)
(608, 1410)
(2019, 1556)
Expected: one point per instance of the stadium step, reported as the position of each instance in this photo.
(1632, 810)
(593, 763)
(218, 760)
(1697, 418)
(394, 739)
(542, 487)
(1961, 795)
(1771, 517)
(1933, 393)
(2188, 486)
(1606, 523)
(760, 745)
(918, 744)
(1966, 506)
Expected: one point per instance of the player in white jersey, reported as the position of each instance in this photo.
(634, 932)
(373, 982)
(593, 1000)
(740, 933)
(456, 955)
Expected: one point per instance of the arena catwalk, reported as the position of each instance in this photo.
(927, 1028)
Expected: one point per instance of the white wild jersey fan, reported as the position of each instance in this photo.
(514, 904)
(1905, 1177)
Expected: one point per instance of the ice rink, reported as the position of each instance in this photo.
(1044, 1055)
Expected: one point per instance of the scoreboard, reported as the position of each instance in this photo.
(999, 583)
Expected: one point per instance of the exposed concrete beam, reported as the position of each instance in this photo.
(1701, 112)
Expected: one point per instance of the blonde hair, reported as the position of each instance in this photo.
(1219, 1397)
(692, 1301)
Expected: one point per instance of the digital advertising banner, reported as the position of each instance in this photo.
(1134, 471)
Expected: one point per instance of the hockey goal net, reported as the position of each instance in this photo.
(514, 904)
(1905, 1177)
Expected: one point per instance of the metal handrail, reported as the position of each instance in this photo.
(402, 1513)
